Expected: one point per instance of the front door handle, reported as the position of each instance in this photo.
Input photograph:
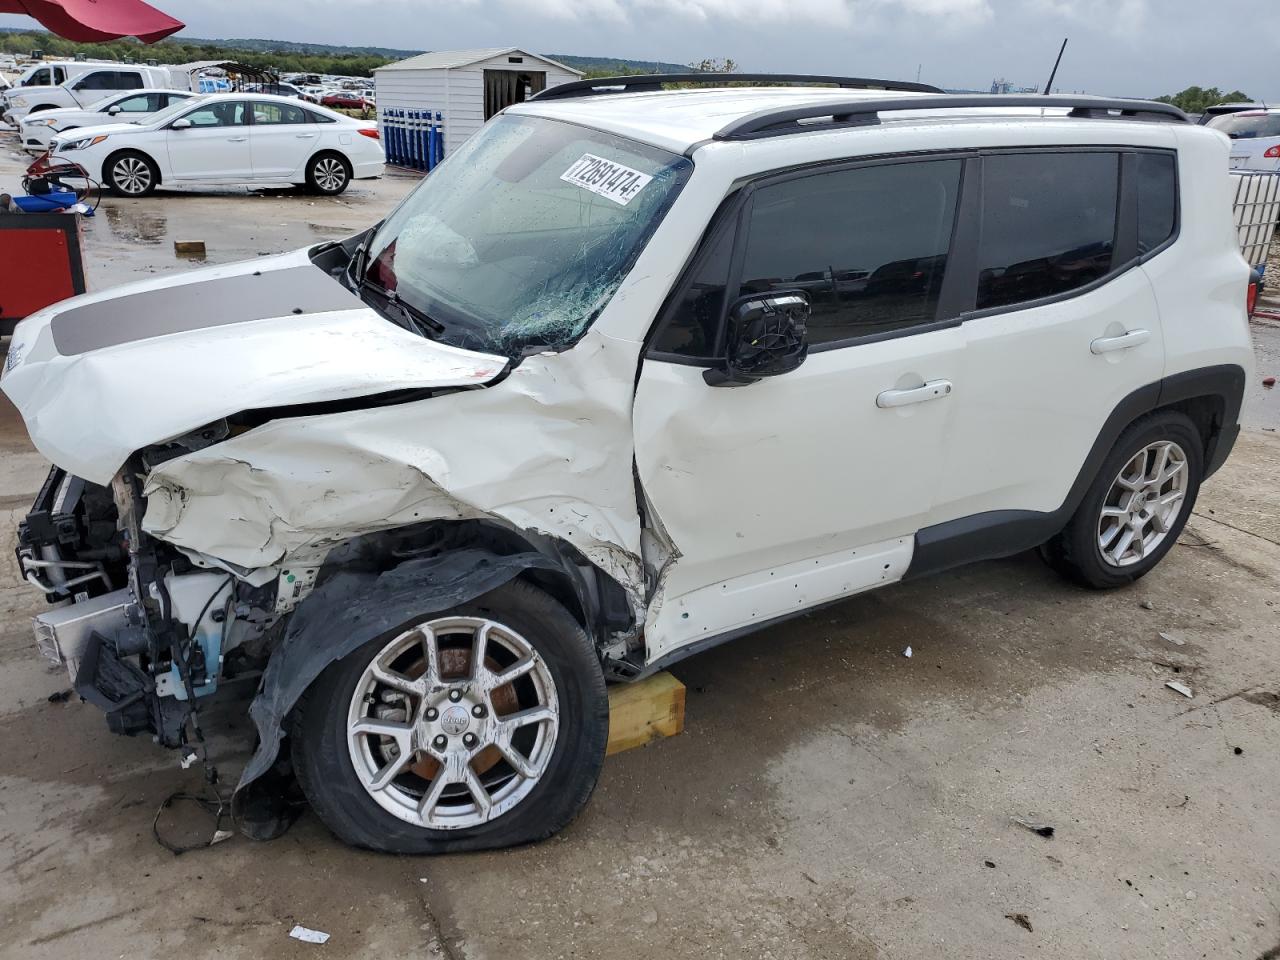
(304, 136)
(1127, 341)
(236, 139)
(933, 390)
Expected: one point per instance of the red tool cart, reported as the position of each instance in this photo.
(41, 253)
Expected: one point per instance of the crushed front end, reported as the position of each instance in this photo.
(149, 631)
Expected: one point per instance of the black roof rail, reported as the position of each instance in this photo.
(773, 123)
(651, 82)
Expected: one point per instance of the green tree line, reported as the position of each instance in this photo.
(171, 51)
(1199, 99)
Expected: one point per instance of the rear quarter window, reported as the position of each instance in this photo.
(1157, 181)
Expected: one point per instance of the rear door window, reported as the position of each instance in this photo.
(1048, 224)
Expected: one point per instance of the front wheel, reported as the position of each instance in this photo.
(131, 174)
(480, 727)
(1136, 508)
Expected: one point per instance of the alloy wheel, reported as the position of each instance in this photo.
(1143, 503)
(330, 174)
(131, 175)
(453, 723)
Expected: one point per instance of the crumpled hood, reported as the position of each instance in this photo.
(101, 376)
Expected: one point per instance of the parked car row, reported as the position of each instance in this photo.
(37, 130)
(224, 137)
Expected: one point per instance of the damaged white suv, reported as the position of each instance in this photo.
(634, 372)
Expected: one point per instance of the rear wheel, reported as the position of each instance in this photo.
(480, 727)
(131, 174)
(328, 174)
(1136, 508)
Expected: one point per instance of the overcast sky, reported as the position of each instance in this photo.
(1118, 47)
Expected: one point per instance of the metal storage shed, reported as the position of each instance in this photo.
(466, 87)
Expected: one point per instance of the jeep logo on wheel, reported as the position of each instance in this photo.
(454, 720)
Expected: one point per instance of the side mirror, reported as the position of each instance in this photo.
(768, 336)
(113, 111)
(182, 123)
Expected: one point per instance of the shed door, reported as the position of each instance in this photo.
(502, 88)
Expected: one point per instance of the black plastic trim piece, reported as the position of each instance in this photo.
(649, 83)
(1003, 533)
(781, 122)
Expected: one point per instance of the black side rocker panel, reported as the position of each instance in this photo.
(1003, 533)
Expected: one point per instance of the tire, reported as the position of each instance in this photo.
(337, 771)
(1091, 549)
(131, 174)
(328, 174)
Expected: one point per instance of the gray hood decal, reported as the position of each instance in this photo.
(199, 304)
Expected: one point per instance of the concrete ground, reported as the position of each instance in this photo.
(830, 797)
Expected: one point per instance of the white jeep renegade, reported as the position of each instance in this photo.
(634, 372)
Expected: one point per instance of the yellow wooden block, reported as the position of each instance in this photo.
(644, 711)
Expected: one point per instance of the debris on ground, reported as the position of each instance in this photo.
(1181, 688)
(307, 935)
(1043, 829)
(189, 247)
(989, 863)
(1170, 638)
(1147, 605)
(1238, 751)
(62, 696)
(1021, 920)
(1268, 382)
(907, 653)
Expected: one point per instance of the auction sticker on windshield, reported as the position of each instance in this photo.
(610, 180)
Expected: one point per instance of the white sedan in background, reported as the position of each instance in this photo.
(1255, 138)
(228, 138)
(132, 106)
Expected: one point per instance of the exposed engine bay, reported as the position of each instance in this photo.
(150, 631)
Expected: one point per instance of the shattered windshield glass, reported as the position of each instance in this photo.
(522, 237)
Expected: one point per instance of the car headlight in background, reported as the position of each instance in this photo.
(19, 101)
(77, 144)
(41, 123)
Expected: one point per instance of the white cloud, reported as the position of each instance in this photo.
(831, 13)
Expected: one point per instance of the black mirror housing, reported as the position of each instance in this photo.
(768, 336)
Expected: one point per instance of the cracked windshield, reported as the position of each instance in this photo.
(519, 241)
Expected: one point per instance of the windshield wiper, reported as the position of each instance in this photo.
(418, 320)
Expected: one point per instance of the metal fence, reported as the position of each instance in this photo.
(1257, 211)
(413, 138)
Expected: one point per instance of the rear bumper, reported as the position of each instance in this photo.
(368, 169)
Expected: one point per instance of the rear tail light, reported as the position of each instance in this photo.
(370, 132)
(1251, 299)
(1273, 153)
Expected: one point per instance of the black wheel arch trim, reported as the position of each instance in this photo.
(346, 612)
(1003, 533)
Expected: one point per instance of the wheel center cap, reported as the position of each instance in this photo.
(455, 720)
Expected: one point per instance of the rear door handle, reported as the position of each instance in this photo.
(1134, 338)
(236, 139)
(304, 136)
(933, 390)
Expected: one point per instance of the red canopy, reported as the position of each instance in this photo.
(92, 21)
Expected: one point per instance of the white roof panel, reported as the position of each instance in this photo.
(452, 59)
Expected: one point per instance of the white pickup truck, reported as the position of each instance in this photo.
(89, 87)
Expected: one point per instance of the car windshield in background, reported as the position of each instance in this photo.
(1248, 126)
(521, 238)
(182, 106)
